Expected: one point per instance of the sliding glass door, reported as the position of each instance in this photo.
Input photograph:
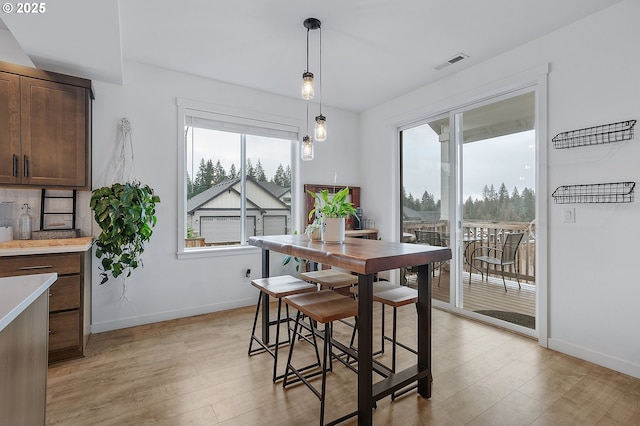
(468, 182)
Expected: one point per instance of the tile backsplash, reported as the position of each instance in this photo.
(11, 201)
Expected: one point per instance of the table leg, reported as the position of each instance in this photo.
(265, 299)
(365, 349)
(424, 328)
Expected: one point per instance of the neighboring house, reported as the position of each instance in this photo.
(215, 213)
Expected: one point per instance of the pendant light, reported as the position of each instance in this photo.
(321, 121)
(306, 147)
(320, 133)
(307, 76)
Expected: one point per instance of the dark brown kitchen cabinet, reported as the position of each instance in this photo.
(45, 128)
(9, 127)
(69, 298)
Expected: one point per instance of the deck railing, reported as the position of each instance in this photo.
(489, 234)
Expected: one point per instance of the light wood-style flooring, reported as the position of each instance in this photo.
(196, 371)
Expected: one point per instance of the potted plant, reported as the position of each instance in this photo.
(333, 212)
(125, 213)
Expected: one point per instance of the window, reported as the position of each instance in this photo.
(236, 178)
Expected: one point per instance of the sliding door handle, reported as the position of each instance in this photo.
(15, 166)
(26, 166)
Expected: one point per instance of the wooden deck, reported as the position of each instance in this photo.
(483, 295)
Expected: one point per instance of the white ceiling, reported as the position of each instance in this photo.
(372, 50)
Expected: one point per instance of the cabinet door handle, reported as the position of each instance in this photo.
(26, 166)
(15, 165)
(28, 268)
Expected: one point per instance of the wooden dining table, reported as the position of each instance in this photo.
(366, 258)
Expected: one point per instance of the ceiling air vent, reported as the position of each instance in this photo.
(451, 61)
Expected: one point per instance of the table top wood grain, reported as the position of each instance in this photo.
(361, 256)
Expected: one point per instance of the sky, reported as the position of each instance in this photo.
(225, 146)
(509, 159)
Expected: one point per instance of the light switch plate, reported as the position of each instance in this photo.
(569, 214)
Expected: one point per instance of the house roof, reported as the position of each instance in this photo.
(204, 197)
(274, 191)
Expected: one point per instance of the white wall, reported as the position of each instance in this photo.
(167, 287)
(593, 285)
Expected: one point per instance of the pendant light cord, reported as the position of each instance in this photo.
(307, 70)
(320, 65)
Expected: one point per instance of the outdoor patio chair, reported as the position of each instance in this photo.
(504, 256)
(431, 238)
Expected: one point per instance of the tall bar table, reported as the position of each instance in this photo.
(367, 257)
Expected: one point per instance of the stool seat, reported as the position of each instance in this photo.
(330, 278)
(324, 306)
(397, 296)
(282, 286)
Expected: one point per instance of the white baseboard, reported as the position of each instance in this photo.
(620, 365)
(169, 315)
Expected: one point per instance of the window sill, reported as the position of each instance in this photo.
(218, 252)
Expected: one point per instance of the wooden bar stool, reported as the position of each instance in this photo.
(393, 295)
(323, 307)
(331, 279)
(278, 288)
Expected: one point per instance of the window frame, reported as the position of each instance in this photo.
(231, 119)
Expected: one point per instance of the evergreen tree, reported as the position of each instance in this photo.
(204, 177)
(287, 177)
(232, 172)
(259, 172)
(189, 186)
(279, 178)
(468, 209)
(516, 202)
(249, 169)
(427, 203)
(219, 174)
(528, 205)
(503, 194)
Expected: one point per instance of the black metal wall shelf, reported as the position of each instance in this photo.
(71, 213)
(614, 132)
(618, 192)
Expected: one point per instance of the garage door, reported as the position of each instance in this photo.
(274, 225)
(224, 229)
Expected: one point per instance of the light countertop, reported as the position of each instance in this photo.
(62, 245)
(17, 293)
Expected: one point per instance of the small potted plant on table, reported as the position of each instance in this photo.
(332, 212)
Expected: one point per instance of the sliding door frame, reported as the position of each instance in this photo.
(536, 82)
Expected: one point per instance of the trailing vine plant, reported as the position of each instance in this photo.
(126, 214)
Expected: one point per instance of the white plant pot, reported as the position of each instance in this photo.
(333, 230)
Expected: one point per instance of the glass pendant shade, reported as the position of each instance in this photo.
(321, 128)
(306, 149)
(307, 86)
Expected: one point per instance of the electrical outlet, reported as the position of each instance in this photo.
(247, 273)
